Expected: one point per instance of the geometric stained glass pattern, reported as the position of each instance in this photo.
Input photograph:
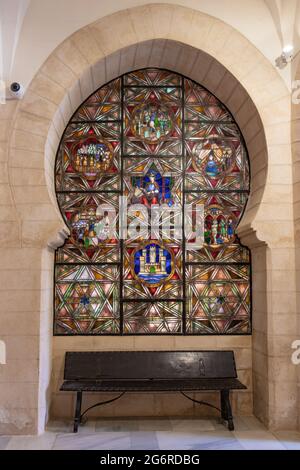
(218, 298)
(103, 105)
(153, 317)
(87, 299)
(164, 142)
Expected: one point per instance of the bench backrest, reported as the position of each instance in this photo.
(149, 365)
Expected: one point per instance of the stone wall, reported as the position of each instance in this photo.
(296, 191)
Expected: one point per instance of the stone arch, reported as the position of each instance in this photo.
(188, 61)
(217, 56)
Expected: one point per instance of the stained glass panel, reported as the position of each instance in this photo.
(152, 269)
(222, 212)
(164, 144)
(89, 157)
(93, 220)
(218, 299)
(153, 317)
(216, 164)
(224, 253)
(104, 105)
(152, 77)
(152, 121)
(87, 299)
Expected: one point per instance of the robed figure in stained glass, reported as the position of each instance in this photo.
(150, 193)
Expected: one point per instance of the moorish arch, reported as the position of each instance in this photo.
(197, 46)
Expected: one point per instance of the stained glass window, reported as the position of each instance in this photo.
(134, 155)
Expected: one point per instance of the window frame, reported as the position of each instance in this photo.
(184, 191)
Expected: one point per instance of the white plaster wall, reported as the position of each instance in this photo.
(48, 23)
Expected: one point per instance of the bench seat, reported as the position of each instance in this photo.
(149, 385)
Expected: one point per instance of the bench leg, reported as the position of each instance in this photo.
(77, 411)
(226, 412)
(223, 409)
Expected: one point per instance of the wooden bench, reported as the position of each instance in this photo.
(151, 371)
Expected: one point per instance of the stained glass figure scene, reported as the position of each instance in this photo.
(164, 143)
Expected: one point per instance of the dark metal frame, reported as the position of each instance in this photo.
(184, 191)
(225, 410)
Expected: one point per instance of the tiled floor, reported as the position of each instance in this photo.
(157, 433)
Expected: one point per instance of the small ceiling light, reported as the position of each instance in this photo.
(288, 49)
(285, 57)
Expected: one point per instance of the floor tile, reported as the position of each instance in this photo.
(151, 433)
(43, 442)
(241, 423)
(219, 445)
(144, 440)
(196, 440)
(289, 439)
(95, 441)
(258, 440)
(4, 440)
(192, 425)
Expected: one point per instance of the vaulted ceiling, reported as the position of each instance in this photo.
(31, 29)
